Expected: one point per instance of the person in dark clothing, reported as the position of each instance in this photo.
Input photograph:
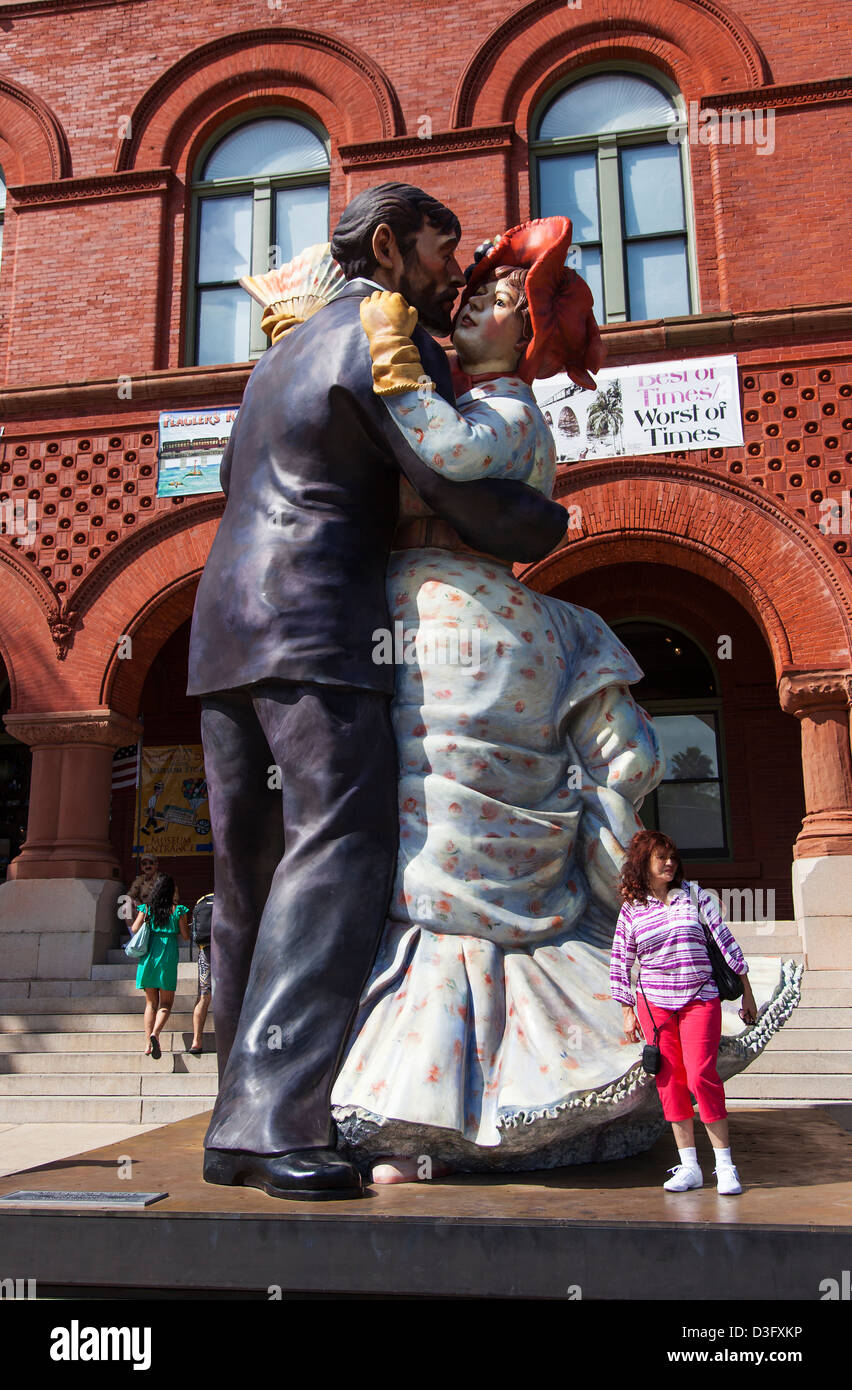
(298, 745)
(202, 916)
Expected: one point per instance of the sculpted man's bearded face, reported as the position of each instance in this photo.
(428, 275)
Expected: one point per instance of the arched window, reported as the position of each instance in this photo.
(261, 195)
(680, 691)
(601, 156)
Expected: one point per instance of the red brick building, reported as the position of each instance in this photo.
(151, 153)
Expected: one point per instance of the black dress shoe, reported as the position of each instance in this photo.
(309, 1174)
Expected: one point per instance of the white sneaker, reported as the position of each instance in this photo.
(728, 1182)
(685, 1177)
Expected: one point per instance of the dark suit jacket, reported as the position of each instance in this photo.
(294, 586)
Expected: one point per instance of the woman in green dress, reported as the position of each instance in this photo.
(157, 972)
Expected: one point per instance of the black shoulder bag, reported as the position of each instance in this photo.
(728, 982)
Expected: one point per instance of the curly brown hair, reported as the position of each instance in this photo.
(515, 278)
(634, 883)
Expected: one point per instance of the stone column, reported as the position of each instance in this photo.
(822, 855)
(58, 909)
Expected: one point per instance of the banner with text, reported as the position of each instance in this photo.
(192, 443)
(659, 408)
(172, 814)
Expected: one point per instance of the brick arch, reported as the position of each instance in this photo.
(159, 617)
(699, 42)
(33, 144)
(747, 544)
(36, 679)
(264, 62)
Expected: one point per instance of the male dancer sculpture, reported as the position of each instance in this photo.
(299, 752)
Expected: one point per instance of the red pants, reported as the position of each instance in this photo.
(689, 1042)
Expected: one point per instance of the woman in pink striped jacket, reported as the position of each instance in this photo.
(660, 925)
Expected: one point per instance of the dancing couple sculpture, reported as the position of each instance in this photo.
(415, 865)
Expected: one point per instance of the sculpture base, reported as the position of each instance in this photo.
(608, 1231)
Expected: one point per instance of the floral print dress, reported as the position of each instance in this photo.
(487, 1035)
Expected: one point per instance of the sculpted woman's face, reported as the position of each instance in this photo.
(488, 335)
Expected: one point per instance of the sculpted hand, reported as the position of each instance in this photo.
(276, 321)
(385, 310)
(388, 322)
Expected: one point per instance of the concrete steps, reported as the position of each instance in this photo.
(804, 1039)
(73, 1051)
(810, 1059)
(756, 1085)
(68, 1064)
(84, 1005)
(101, 1022)
(811, 1062)
(113, 1084)
(125, 1110)
(96, 1043)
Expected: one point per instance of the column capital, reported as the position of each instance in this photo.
(58, 728)
(802, 692)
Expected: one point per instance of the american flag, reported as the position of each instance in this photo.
(125, 766)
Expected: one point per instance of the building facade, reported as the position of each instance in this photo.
(151, 154)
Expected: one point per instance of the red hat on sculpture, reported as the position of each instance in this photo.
(565, 334)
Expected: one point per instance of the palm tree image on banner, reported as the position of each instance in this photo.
(606, 416)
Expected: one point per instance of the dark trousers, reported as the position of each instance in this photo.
(303, 873)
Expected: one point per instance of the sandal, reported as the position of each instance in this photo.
(155, 1048)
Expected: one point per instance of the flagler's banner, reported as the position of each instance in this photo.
(192, 443)
(658, 408)
(172, 815)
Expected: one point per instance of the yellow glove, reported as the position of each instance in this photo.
(389, 322)
(277, 321)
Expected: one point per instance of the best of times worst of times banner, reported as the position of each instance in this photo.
(657, 408)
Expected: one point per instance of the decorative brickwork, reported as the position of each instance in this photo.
(33, 143)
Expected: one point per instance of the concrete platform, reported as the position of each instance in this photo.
(607, 1230)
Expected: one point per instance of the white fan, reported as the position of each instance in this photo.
(301, 286)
